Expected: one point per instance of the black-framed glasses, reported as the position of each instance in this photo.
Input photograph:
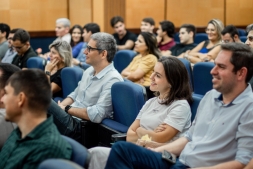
(18, 47)
(89, 48)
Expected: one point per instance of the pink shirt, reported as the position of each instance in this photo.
(166, 46)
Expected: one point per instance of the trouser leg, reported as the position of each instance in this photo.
(66, 124)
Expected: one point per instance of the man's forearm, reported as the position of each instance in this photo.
(175, 147)
(79, 112)
(67, 101)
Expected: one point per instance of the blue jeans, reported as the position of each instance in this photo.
(125, 155)
(66, 124)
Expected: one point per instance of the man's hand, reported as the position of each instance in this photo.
(61, 105)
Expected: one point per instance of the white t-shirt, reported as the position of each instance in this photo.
(176, 115)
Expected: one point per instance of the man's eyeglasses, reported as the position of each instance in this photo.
(18, 47)
(89, 48)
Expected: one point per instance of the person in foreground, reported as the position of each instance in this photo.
(91, 100)
(6, 70)
(27, 96)
(164, 118)
(221, 135)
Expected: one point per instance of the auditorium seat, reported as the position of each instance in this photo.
(122, 59)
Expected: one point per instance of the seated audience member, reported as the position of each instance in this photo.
(88, 30)
(203, 51)
(4, 33)
(60, 57)
(186, 36)
(11, 53)
(21, 43)
(148, 25)
(165, 35)
(76, 39)
(95, 85)
(220, 136)
(141, 67)
(124, 38)
(249, 40)
(6, 70)
(62, 29)
(230, 34)
(27, 96)
(172, 115)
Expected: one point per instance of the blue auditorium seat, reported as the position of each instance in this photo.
(36, 62)
(122, 59)
(200, 37)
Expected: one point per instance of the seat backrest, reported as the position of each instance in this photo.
(242, 32)
(127, 101)
(58, 163)
(202, 77)
(80, 154)
(200, 37)
(243, 38)
(122, 59)
(189, 70)
(70, 77)
(194, 106)
(36, 62)
(176, 37)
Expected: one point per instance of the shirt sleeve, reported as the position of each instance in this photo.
(148, 63)
(144, 108)
(179, 116)
(76, 49)
(57, 79)
(244, 137)
(103, 107)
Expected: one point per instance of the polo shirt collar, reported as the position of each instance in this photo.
(239, 99)
(103, 72)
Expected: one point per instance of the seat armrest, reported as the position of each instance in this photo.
(119, 137)
(89, 133)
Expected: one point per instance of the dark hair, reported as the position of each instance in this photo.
(168, 27)
(249, 28)
(189, 28)
(149, 20)
(151, 43)
(21, 35)
(14, 30)
(5, 28)
(115, 20)
(105, 41)
(242, 56)
(72, 44)
(92, 27)
(177, 77)
(230, 29)
(34, 83)
(6, 70)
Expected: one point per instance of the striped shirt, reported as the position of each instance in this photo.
(41, 143)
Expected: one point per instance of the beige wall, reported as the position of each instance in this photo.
(40, 15)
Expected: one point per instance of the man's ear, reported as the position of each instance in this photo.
(22, 99)
(104, 54)
(242, 73)
(236, 37)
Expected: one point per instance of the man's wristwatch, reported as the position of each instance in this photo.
(67, 108)
(48, 73)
